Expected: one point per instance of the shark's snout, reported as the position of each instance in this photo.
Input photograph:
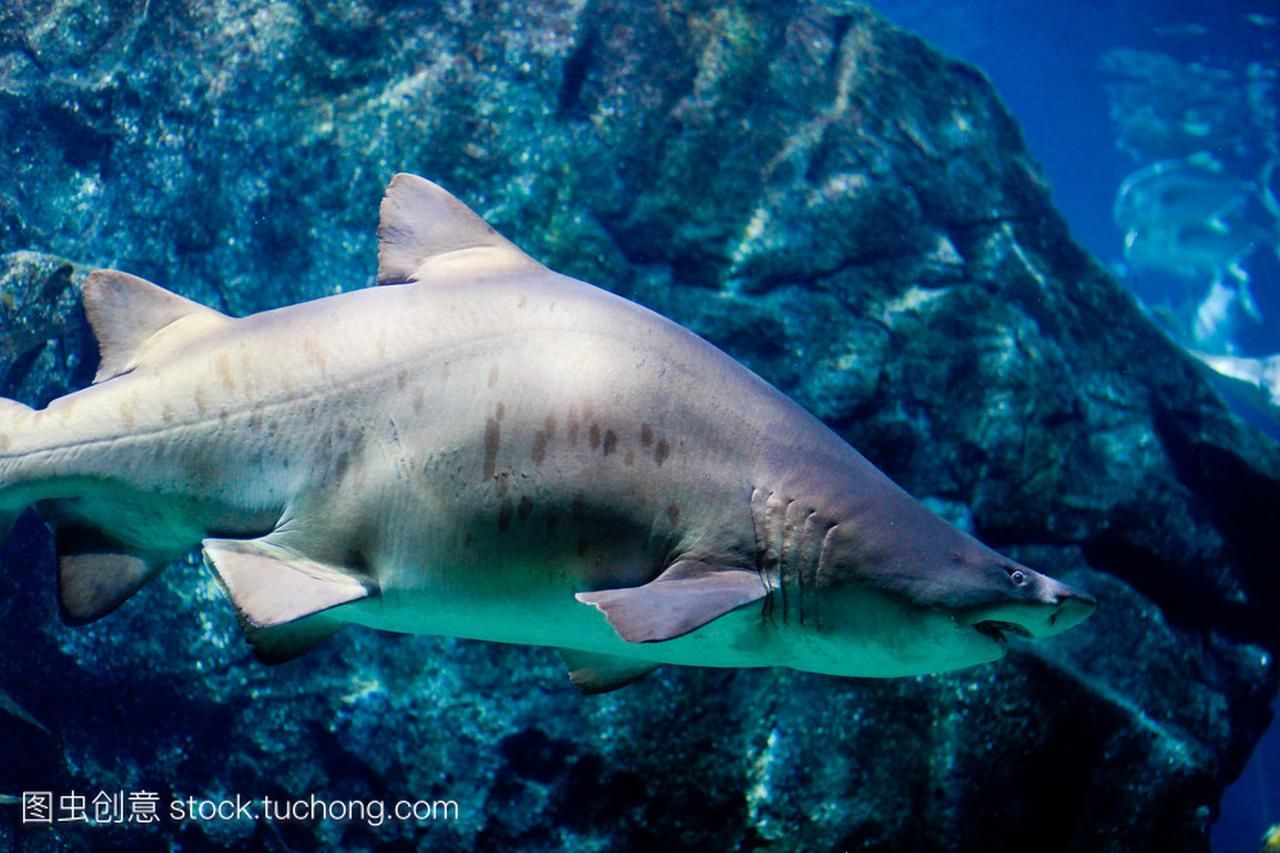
(1073, 608)
(1068, 607)
(1056, 607)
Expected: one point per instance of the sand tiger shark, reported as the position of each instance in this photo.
(480, 447)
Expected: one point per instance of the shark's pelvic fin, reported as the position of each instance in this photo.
(95, 576)
(596, 673)
(280, 596)
(423, 228)
(129, 314)
(686, 596)
(92, 585)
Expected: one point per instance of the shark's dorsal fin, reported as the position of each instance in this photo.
(423, 229)
(280, 596)
(593, 673)
(128, 315)
(686, 596)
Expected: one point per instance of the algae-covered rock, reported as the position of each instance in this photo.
(43, 350)
(843, 209)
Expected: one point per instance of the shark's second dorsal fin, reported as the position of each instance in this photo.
(422, 229)
(128, 313)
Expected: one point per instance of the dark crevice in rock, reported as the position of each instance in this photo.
(577, 66)
(25, 48)
(839, 29)
(1241, 501)
(83, 145)
(1191, 603)
(821, 276)
(19, 367)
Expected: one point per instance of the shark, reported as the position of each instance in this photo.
(479, 447)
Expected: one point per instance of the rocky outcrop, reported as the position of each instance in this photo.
(838, 206)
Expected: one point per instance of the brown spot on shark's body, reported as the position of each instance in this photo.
(492, 440)
(223, 365)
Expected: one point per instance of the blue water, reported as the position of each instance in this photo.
(1045, 60)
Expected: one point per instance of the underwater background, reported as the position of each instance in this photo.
(1026, 264)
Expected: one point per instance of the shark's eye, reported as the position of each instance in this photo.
(1018, 576)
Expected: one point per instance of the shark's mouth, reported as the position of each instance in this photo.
(998, 631)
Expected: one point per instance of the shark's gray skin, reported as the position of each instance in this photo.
(484, 448)
(1258, 378)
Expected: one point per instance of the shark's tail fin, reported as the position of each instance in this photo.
(10, 413)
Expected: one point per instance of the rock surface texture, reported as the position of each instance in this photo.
(835, 204)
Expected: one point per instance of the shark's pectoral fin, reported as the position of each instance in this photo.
(95, 576)
(596, 673)
(280, 596)
(686, 596)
